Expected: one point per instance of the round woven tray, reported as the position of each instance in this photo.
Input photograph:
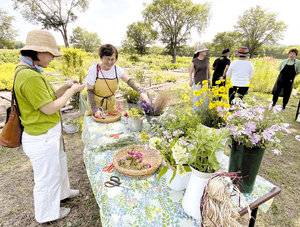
(109, 118)
(152, 157)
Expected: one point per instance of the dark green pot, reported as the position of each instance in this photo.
(246, 160)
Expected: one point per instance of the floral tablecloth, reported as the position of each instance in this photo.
(148, 203)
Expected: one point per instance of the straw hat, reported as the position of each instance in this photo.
(41, 41)
(243, 51)
(201, 48)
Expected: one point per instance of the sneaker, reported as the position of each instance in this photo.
(64, 212)
(73, 193)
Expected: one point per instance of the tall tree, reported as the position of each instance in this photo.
(257, 26)
(174, 19)
(224, 40)
(88, 41)
(7, 31)
(141, 35)
(51, 14)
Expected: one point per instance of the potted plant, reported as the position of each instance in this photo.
(253, 127)
(71, 125)
(135, 118)
(132, 97)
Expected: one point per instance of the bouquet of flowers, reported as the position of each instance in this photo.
(252, 125)
(209, 100)
(157, 105)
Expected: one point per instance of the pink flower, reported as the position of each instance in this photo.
(129, 201)
(135, 199)
(254, 138)
(126, 114)
(148, 165)
(277, 152)
(131, 153)
(120, 107)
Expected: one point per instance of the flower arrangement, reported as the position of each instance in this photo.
(134, 161)
(134, 112)
(253, 125)
(157, 105)
(210, 99)
(131, 95)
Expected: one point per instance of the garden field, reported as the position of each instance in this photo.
(16, 175)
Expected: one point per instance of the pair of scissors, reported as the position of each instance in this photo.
(115, 182)
(110, 168)
(116, 136)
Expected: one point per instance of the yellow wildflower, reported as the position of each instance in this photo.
(183, 118)
(185, 87)
(144, 135)
(225, 97)
(223, 80)
(250, 85)
(222, 89)
(183, 95)
(229, 86)
(186, 98)
(225, 117)
(152, 211)
(197, 103)
(201, 101)
(159, 210)
(151, 218)
(204, 81)
(227, 105)
(218, 82)
(211, 105)
(228, 114)
(196, 93)
(197, 84)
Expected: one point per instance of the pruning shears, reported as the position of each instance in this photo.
(116, 136)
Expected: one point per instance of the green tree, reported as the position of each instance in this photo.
(141, 35)
(224, 40)
(18, 44)
(128, 46)
(82, 39)
(7, 33)
(51, 14)
(257, 26)
(156, 50)
(174, 19)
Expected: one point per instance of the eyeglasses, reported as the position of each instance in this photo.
(109, 59)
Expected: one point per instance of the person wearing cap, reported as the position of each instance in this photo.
(40, 115)
(283, 86)
(240, 71)
(220, 67)
(103, 79)
(199, 71)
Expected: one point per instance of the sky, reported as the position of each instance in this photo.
(110, 18)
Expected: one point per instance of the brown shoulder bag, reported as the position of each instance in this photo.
(11, 134)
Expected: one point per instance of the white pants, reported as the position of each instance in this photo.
(50, 172)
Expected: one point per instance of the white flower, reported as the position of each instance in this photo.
(179, 154)
(153, 141)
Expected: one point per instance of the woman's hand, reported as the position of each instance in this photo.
(98, 114)
(144, 96)
(77, 87)
(191, 83)
(70, 83)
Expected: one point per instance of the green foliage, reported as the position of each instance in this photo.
(7, 31)
(50, 14)
(171, 79)
(82, 39)
(174, 20)
(138, 74)
(156, 50)
(131, 95)
(158, 78)
(224, 40)
(257, 26)
(206, 143)
(139, 35)
(133, 58)
(136, 112)
(9, 56)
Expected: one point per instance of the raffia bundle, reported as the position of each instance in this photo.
(216, 206)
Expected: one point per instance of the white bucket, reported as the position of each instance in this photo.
(69, 128)
(179, 182)
(194, 192)
(135, 123)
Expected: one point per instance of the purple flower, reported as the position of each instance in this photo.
(166, 134)
(268, 134)
(254, 138)
(277, 152)
(182, 142)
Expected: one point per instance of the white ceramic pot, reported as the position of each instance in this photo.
(179, 182)
(194, 192)
(69, 128)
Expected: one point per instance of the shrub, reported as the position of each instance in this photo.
(7, 76)
(133, 58)
(171, 79)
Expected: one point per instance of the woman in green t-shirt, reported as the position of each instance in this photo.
(42, 137)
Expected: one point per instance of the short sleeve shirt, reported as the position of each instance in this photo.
(288, 62)
(110, 74)
(220, 65)
(33, 91)
(201, 67)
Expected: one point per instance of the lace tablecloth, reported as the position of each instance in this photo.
(149, 203)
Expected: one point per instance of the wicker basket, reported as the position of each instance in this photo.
(109, 118)
(153, 158)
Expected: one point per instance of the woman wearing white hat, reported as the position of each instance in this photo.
(200, 68)
(40, 115)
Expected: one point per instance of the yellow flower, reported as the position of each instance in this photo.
(204, 81)
(222, 89)
(228, 114)
(225, 117)
(152, 211)
(185, 87)
(151, 218)
(225, 97)
(223, 80)
(186, 98)
(211, 105)
(229, 86)
(197, 84)
(197, 103)
(144, 135)
(183, 118)
(159, 210)
(218, 82)
(250, 85)
(196, 93)
(183, 95)
(227, 105)
(201, 101)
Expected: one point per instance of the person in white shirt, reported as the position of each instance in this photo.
(240, 71)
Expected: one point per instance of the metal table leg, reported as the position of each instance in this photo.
(252, 220)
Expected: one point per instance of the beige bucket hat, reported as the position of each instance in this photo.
(201, 48)
(41, 41)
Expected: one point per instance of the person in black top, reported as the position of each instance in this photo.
(220, 67)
